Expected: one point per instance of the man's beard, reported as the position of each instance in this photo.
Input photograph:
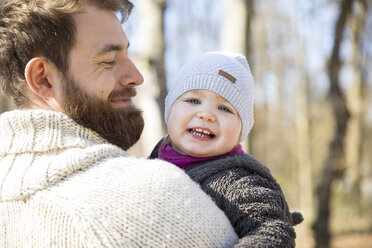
(121, 127)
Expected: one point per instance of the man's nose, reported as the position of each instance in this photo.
(206, 116)
(131, 76)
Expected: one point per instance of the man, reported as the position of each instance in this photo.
(65, 179)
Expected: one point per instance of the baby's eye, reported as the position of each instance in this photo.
(223, 108)
(193, 101)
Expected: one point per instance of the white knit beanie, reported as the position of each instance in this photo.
(225, 73)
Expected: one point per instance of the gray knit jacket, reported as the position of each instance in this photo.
(250, 197)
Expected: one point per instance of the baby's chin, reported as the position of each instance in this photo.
(190, 152)
(196, 150)
(197, 153)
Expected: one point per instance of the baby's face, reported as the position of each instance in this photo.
(202, 123)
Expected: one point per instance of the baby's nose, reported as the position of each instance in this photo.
(206, 116)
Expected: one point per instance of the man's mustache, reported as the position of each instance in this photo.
(125, 93)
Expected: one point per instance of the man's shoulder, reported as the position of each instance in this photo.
(125, 163)
(126, 172)
(114, 182)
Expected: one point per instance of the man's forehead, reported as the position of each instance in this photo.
(99, 30)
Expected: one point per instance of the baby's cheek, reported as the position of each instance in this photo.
(234, 135)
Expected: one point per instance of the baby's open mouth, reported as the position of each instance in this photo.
(202, 132)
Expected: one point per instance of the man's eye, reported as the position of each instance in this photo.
(193, 101)
(223, 108)
(109, 63)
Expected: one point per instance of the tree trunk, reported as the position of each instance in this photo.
(332, 167)
(236, 33)
(356, 105)
(303, 147)
(150, 61)
(236, 27)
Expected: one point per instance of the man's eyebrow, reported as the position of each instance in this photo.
(111, 48)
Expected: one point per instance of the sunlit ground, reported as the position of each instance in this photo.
(342, 241)
(353, 240)
(348, 232)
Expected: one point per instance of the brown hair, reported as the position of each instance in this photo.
(31, 28)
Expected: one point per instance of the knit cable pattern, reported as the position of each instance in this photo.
(62, 185)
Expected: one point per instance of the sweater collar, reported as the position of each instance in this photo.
(168, 153)
(39, 148)
(40, 131)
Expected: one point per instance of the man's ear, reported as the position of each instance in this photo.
(39, 74)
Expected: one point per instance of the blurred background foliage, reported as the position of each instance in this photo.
(312, 61)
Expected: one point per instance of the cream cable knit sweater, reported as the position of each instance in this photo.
(62, 185)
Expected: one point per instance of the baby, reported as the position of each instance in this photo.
(209, 111)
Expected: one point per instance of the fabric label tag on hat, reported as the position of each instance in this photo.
(227, 75)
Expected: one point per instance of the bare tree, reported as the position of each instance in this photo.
(236, 31)
(304, 164)
(333, 165)
(236, 26)
(356, 105)
(150, 60)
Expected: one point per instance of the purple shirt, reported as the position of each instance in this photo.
(167, 153)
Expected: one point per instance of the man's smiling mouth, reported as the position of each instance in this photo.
(121, 102)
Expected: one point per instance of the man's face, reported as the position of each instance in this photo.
(120, 126)
(98, 89)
